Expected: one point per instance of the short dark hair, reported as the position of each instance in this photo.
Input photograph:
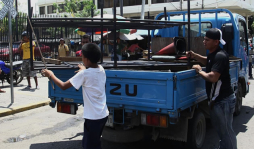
(87, 37)
(92, 52)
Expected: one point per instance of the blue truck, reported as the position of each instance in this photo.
(165, 99)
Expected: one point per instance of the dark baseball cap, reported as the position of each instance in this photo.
(216, 34)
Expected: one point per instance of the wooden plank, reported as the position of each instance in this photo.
(197, 45)
(70, 59)
(52, 61)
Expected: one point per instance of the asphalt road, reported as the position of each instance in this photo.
(44, 128)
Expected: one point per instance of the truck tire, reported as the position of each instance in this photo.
(239, 100)
(196, 131)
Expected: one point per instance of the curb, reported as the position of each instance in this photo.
(18, 109)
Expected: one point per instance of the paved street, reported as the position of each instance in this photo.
(44, 128)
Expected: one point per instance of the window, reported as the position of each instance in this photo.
(133, 2)
(110, 3)
(164, 1)
(42, 10)
(205, 26)
(61, 8)
(146, 17)
(243, 35)
(51, 9)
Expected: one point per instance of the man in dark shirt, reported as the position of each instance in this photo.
(218, 87)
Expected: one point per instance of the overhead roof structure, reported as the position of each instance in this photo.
(101, 23)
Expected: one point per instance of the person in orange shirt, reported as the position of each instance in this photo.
(26, 69)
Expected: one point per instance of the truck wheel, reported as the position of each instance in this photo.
(196, 131)
(239, 100)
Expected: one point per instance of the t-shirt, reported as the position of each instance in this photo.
(218, 61)
(133, 47)
(93, 81)
(62, 49)
(26, 50)
(119, 48)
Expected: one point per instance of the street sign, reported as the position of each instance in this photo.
(8, 5)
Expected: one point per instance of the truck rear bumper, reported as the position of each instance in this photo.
(122, 136)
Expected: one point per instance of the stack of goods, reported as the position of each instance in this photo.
(145, 54)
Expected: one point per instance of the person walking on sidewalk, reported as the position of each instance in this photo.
(93, 82)
(63, 49)
(1, 91)
(218, 87)
(26, 67)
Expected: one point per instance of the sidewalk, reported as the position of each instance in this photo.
(24, 99)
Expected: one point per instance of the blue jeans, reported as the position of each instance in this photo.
(222, 119)
(119, 57)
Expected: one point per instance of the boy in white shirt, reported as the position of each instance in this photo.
(93, 82)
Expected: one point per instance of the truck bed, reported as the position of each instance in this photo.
(156, 91)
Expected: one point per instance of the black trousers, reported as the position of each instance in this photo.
(92, 133)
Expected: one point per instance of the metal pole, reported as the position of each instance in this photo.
(16, 20)
(189, 30)
(30, 34)
(102, 4)
(115, 56)
(149, 37)
(10, 54)
(181, 5)
(121, 8)
(92, 21)
(165, 13)
(143, 10)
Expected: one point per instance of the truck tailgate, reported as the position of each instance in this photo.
(140, 90)
(69, 95)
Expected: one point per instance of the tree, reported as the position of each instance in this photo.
(78, 8)
(250, 25)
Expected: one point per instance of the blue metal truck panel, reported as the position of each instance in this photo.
(64, 95)
(189, 90)
(140, 90)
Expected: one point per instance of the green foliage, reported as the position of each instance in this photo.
(78, 8)
(21, 18)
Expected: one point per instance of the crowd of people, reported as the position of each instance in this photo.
(125, 50)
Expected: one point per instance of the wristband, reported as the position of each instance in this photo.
(199, 71)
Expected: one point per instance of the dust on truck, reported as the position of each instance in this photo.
(165, 99)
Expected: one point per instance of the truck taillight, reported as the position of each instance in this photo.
(154, 120)
(68, 108)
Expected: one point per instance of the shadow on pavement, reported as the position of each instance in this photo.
(241, 120)
(77, 144)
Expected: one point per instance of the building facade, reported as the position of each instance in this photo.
(132, 8)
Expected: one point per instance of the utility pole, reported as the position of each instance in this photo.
(121, 8)
(143, 10)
